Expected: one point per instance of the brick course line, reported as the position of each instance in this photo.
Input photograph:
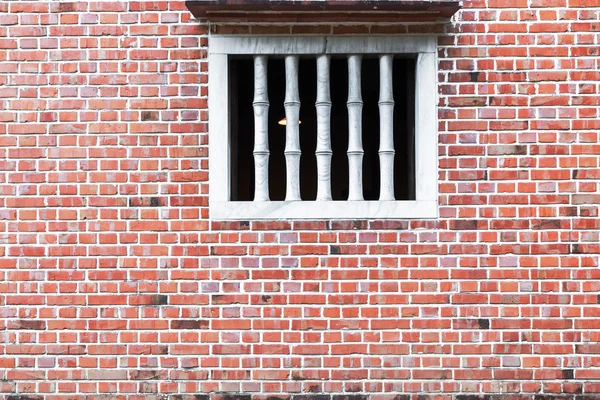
(115, 284)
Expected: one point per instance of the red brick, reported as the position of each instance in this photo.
(115, 280)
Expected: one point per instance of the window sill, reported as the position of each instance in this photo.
(276, 210)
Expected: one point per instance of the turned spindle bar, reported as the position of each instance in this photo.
(261, 130)
(292, 129)
(355, 148)
(386, 128)
(323, 151)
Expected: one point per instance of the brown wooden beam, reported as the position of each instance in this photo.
(206, 8)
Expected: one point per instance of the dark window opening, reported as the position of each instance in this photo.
(242, 128)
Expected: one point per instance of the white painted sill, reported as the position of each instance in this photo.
(310, 210)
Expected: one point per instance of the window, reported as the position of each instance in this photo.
(322, 127)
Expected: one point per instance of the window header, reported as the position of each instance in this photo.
(237, 9)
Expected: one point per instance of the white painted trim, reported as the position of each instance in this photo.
(248, 210)
(252, 45)
(380, 44)
(218, 142)
(426, 158)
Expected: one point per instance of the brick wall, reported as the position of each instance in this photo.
(114, 282)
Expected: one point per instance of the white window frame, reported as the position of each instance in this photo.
(426, 141)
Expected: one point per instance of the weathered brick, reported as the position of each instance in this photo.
(189, 324)
(114, 280)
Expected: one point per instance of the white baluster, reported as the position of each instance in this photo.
(323, 151)
(292, 129)
(355, 149)
(261, 130)
(386, 130)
